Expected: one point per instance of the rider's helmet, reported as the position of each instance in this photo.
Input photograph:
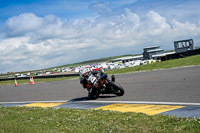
(84, 71)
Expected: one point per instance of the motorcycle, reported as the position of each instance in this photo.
(97, 82)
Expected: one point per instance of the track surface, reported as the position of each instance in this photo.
(173, 85)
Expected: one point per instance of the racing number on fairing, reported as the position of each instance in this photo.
(92, 79)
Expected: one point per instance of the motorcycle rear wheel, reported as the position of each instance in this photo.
(118, 89)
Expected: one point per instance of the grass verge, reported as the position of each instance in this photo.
(35, 80)
(22, 119)
(189, 61)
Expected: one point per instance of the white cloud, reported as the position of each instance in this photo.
(34, 42)
(19, 25)
(101, 7)
(156, 23)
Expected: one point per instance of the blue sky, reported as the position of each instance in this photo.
(36, 34)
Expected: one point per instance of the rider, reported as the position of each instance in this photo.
(97, 72)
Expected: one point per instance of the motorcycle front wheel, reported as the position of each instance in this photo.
(93, 93)
(118, 89)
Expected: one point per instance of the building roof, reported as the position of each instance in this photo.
(150, 47)
(164, 54)
(184, 40)
(128, 57)
(154, 50)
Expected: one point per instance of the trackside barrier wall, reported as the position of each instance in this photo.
(41, 77)
(181, 55)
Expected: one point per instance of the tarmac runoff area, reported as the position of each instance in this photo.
(149, 108)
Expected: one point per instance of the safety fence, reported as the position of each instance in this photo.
(40, 77)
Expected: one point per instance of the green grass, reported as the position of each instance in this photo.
(27, 81)
(189, 61)
(61, 120)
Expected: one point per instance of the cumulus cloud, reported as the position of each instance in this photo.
(20, 25)
(32, 25)
(33, 42)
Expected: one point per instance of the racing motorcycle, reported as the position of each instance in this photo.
(97, 82)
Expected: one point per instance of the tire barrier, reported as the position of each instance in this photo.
(41, 77)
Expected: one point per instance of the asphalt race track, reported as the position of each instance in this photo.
(172, 92)
(173, 85)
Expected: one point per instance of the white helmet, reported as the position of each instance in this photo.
(84, 70)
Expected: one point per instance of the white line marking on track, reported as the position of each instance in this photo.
(128, 102)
